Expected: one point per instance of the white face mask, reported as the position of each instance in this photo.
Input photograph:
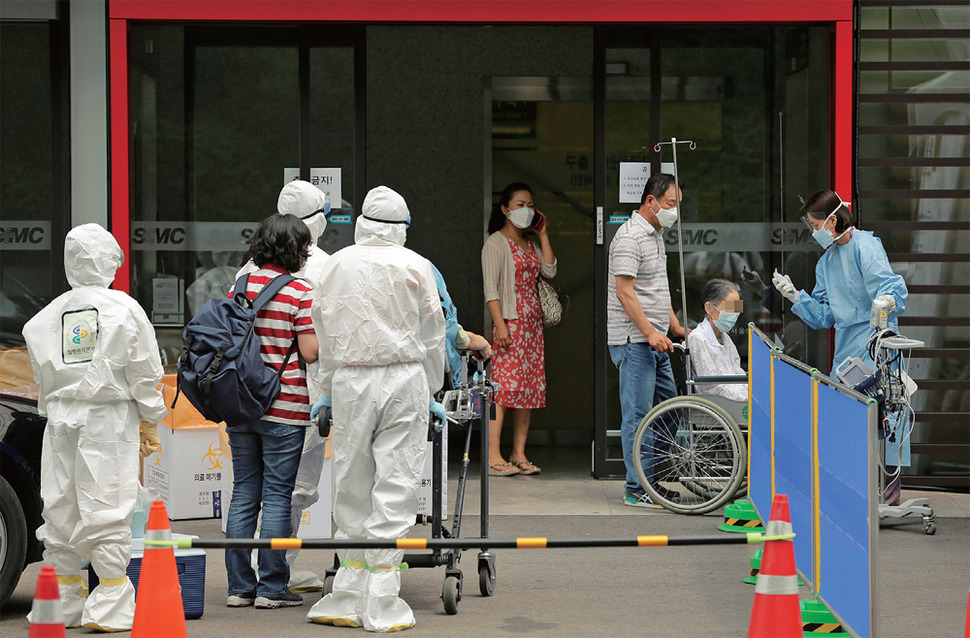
(667, 216)
(522, 217)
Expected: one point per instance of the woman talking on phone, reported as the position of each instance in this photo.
(511, 263)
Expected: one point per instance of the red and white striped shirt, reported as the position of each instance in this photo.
(277, 325)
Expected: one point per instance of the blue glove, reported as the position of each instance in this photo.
(438, 412)
(322, 403)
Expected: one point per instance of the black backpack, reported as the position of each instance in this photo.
(220, 370)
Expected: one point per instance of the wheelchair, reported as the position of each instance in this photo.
(690, 452)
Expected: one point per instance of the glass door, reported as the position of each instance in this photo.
(755, 100)
(221, 118)
(542, 134)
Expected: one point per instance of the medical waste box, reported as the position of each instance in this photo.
(189, 474)
(190, 564)
(425, 487)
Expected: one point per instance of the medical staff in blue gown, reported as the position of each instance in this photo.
(853, 272)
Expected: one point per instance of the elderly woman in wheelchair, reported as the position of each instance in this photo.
(694, 445)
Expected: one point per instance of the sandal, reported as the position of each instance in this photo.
(527, 467)
(503, 469)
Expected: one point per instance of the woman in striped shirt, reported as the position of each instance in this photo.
(266, 453)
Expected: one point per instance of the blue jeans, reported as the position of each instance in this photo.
(265, 459)
(645, 381)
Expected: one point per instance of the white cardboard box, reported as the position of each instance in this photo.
(189, 474)
(317, 519)
(424, 489)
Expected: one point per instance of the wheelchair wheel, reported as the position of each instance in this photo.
(689, 455)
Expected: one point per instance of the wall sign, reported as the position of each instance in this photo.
(326, 179)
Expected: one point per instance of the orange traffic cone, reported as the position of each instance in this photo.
(158, 605)
(775, 613)
(46, 610)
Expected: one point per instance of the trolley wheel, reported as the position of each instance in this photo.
(486, 574)
(695, 453)
(451, 595)
(929, 527)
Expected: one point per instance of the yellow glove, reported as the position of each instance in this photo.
(149, 439)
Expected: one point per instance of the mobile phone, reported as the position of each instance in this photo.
(538, 221)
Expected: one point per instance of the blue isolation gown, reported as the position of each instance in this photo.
(848, 278)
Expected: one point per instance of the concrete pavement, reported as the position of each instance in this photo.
(678, 591)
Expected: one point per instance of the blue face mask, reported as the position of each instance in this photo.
(823, 237)
(726, 320)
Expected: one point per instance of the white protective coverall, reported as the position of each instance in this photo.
(95, 358)
(307, 202)
(382, 354)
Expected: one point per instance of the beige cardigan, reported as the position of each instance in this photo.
(498, 272)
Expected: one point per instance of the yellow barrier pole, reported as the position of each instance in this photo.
(750, 399)
(816, 501)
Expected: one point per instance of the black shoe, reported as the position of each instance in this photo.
(664, 493)
(288, 599)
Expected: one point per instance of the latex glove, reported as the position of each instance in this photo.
(150, 443)
(323, 402)
(321, 415)
(439, 416)
(887, 301)
(784, 285)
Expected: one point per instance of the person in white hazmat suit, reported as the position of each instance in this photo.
(382, 355)
(95, 357)
(307, 202)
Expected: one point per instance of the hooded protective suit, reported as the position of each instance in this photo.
(95, 358)
(382, 354)
(304, 200)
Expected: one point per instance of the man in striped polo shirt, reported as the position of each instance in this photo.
(639, 316)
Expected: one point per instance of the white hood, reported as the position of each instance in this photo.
(369, 233)
(301, 199)
(91, 256)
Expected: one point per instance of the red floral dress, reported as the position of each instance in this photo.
(520, 368)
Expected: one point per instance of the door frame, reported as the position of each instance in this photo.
(838, 13)
(651, 37)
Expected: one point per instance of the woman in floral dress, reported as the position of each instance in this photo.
(511, 264)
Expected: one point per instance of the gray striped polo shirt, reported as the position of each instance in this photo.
(638, 251)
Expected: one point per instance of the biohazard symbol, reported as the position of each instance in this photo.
(158, 458)
(212, 460)
(79, 334)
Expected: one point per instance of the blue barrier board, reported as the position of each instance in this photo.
(846, 545)
(793, 457)
(759, 429)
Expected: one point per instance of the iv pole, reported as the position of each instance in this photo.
(680, 213)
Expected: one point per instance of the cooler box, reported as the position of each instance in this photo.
(190, 564)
